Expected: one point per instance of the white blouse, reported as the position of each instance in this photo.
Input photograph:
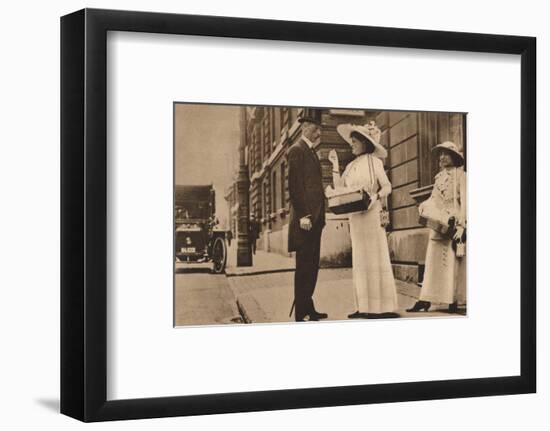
(449, 193)
(367, 172)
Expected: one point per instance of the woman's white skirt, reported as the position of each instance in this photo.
(445, 274)
(373, 280)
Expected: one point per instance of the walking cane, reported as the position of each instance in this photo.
(292, 308)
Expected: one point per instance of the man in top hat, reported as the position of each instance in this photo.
(307, 216)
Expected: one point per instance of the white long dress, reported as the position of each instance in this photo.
(445, 273)
(373, 280)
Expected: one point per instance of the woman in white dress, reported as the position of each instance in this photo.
(445, 274)
(373, 282)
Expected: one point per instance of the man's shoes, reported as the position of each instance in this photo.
(318, 315)
(309, 318)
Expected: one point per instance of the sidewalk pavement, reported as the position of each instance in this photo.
(265, 292)
(263, 263)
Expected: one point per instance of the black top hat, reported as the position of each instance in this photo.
(309, 119)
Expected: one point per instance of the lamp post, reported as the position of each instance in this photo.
(244, 253)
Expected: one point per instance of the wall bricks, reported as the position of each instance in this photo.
(404, 174)
(405, 217)
(403, 130)
(408, 245)
(395, 117)
(400, 197)
(385, 139)
(382, 120)
(405, 151)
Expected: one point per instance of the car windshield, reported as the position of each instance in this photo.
(194, 202)
(193, 210)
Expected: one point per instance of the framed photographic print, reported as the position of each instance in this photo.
(236, 229)
(262, 215)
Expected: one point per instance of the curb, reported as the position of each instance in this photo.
(243, 313)
(248, 305)
(258, 272)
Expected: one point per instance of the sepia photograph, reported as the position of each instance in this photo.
(237, 190)
(289, 214)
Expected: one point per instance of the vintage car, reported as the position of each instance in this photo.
(197, 237)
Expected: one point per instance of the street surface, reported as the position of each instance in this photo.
(264, 294)
(202, 298)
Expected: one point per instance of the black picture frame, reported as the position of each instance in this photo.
(84, 214)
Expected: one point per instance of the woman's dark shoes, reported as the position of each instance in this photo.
(357, 315)
(387, 315)
(419, 306)
(362, 315)
(390, 315)
(453, 308)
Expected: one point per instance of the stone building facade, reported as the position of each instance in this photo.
(267, 133)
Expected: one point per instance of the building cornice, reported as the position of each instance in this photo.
(347, 112)
(422, 193)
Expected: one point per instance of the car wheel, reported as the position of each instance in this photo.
(219, 256)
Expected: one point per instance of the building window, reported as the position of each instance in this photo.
(274, 137)
(274, 195)
(266, 200)
(266, 135)
(250, 148)
(292, 116)
(258, 150)
(284, 117)
(261, 202)
(283, 186)
(277, 125)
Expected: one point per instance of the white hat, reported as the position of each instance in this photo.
(369, 131)
(451, 146)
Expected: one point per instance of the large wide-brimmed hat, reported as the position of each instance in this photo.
(370, 131)
(453, 149)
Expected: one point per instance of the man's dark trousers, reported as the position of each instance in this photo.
(307, 199)
(307, 269)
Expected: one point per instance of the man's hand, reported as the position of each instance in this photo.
(305, 223)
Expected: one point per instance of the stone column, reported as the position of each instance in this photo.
(244, 253)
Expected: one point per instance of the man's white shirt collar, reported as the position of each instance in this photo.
(308, 142)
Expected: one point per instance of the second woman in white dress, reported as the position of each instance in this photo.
(373, 281)
(445, 274)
